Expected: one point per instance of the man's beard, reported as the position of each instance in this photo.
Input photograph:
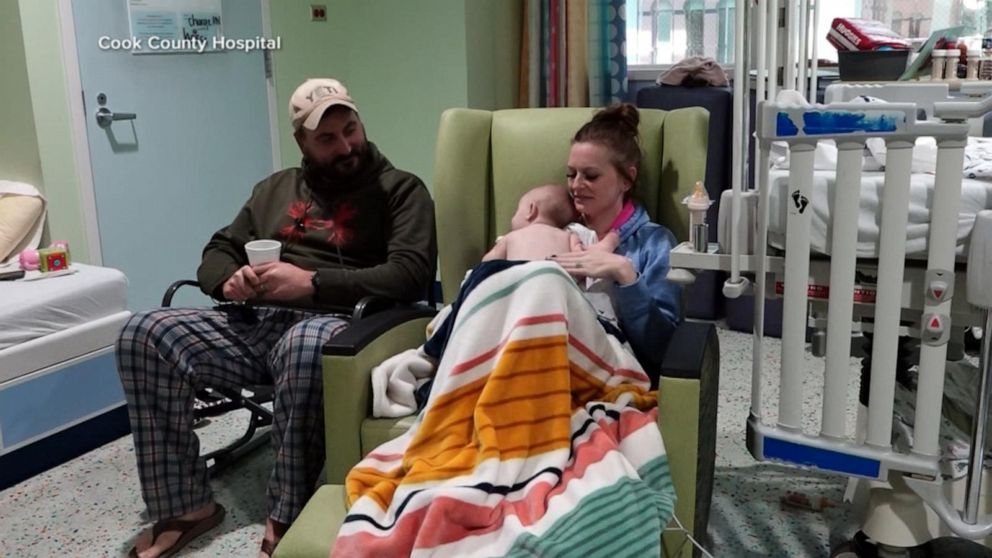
(340, 168)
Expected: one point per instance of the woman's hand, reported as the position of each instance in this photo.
(598, 265)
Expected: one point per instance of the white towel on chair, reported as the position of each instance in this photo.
(395, 381)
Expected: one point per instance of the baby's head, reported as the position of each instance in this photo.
(549, 204)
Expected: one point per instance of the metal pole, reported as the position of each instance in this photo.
(802, 57)
(791, 42)
(772, 35)
(979, 427)
(760, 177)
(761, 26)
(816, 53)
(740, 140)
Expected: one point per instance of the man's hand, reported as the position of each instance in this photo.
(283, 282)
(241, 286)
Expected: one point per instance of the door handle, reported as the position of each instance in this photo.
(105, 117)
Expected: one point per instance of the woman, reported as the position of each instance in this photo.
(539, 436)
(602, 168)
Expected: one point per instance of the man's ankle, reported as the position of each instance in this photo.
(275, 529)
(205, 511)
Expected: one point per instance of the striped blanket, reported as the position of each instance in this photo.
(539, 438)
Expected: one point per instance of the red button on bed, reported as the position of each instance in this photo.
(937, 290)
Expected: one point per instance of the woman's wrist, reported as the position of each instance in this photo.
(625, 274)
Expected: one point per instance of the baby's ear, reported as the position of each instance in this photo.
(532, 212)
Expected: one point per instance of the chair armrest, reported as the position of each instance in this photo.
(358, 335)
(688, 350)
(171, 291)
(371, 305)
(687, 404)
(347, 367)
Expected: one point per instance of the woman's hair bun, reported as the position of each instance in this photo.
(623, 115)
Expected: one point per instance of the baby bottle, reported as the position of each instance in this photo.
(974, 59)
(951, 63)
(938, 59)
(698, 203)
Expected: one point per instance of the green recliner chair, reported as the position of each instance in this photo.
(484, 161)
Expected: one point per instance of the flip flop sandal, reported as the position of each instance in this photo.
(189, 529)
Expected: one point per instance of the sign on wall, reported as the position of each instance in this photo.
(174, 26)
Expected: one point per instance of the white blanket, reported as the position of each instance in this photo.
(976, 195)
(396, 380)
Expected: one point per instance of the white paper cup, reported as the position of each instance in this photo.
(262, 251)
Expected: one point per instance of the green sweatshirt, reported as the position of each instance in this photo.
(373, 234)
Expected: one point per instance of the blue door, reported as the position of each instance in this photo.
(180, 170)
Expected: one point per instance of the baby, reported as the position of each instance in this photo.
(543, 226)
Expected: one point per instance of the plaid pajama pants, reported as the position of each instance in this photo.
(164, 355)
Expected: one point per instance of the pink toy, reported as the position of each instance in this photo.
(29, 260)
(53, 258)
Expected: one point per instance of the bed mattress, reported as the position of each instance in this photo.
(33, 309)
(976, 195)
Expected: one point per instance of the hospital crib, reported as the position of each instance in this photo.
(910, 502)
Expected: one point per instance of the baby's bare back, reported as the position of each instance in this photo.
(536, 242)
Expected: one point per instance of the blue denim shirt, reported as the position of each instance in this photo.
(649, 309)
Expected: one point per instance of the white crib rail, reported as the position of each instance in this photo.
(844, 240)
(937, 302)
(891, 264)
(833, 449)
(796, 283)
(850, 125)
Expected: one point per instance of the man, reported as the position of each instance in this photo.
(350, 225)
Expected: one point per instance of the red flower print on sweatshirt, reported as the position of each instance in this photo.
(302, 222)
(298, 213)
(340, 226)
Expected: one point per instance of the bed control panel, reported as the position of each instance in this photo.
(940, 285)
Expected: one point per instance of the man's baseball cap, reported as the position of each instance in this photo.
(313, 98)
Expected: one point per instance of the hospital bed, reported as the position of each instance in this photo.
(59, 391)
(839, 247)
(892, 296)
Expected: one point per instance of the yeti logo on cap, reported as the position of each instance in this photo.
(322, 91)
(313, 97)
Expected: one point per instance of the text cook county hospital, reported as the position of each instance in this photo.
(198, 44)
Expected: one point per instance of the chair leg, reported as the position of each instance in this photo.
(253, 438)
(261, 418)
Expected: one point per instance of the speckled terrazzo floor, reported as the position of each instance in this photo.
(747, 519)
(91, 506)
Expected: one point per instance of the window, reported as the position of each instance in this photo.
(666, 31)
(662, 32)
(919, 18)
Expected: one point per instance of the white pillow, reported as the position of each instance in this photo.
(20, 218)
